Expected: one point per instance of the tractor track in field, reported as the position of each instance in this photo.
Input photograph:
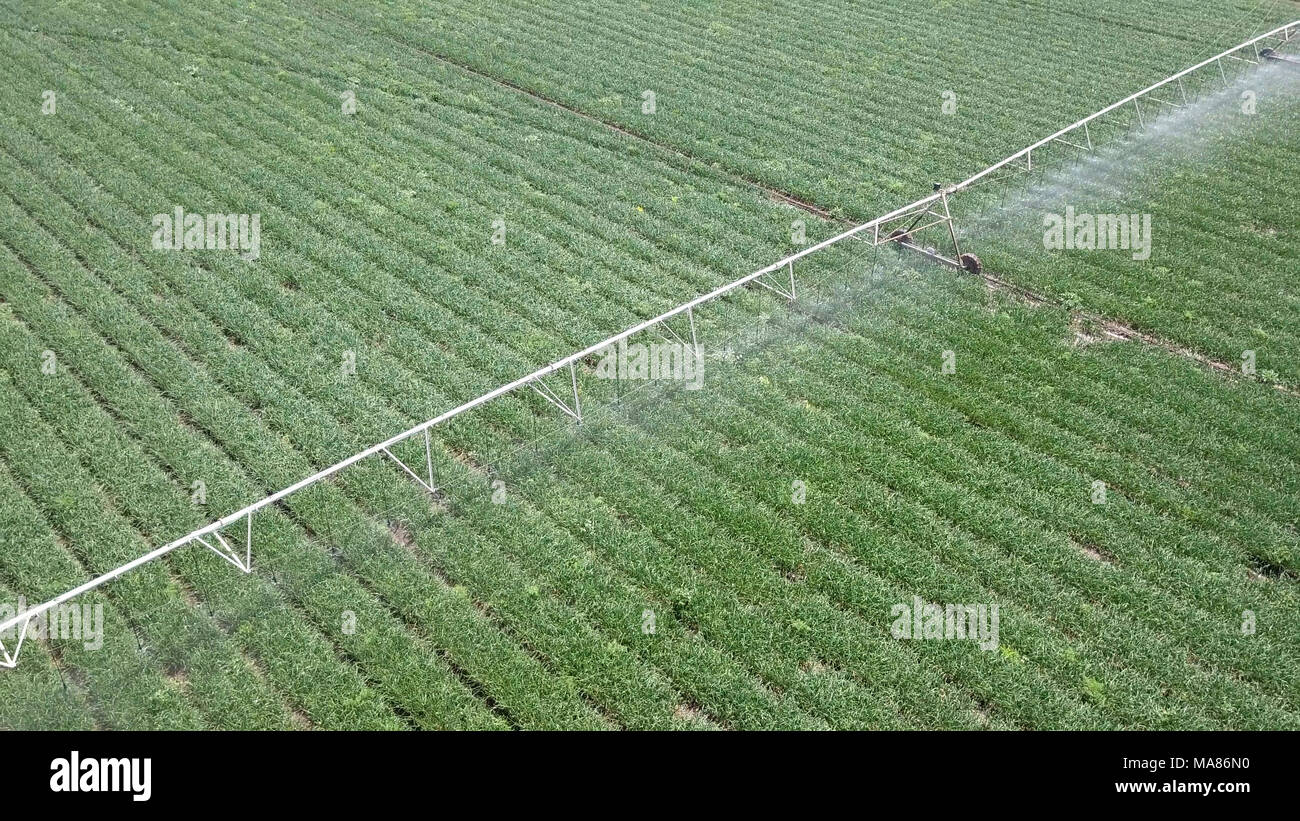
(1115, 330)
(1109, 328)
(732, 175)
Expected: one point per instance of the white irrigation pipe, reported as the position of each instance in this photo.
(24, 618)
(1285, 31)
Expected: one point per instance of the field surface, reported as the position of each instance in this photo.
(722, 558)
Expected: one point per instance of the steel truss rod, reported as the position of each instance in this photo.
(914, 210)
(428, 460)
(1153, 98)
(10, 660)
(952, 228)
(546, 393)
(577, 401)
(1173, 78)
(790, 294)
(695, 342)
(1074, 145)
(931, 254)
(225, 551)
(940, 219)
(675, 337)
(426, 485)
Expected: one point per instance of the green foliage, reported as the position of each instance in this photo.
(648, 570)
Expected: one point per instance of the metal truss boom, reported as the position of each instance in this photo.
(870, 231)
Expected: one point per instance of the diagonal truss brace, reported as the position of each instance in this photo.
(870, 231)
(10, 660)
(229, 553)
(779, 289)
(430, 485)
(1153, 98)
(934, 213)
(671, 334)
(543, 390)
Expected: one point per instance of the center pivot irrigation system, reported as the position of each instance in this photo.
(899, 226)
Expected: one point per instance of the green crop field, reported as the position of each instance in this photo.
(1221, 276)
(451, 195)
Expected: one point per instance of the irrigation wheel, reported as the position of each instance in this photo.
(900, 235)
(970, 263)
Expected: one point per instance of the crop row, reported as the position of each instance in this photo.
(133, 286)
(1223, 246)
(532, 613)
(840, 104)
